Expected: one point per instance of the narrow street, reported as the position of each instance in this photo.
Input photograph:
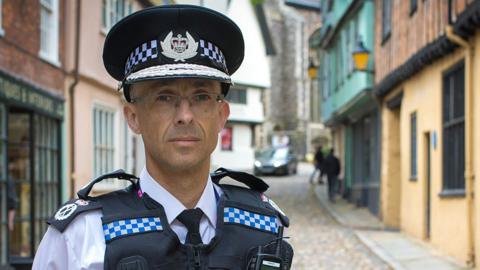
(318, 240)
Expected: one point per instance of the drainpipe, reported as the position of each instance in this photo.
(469, 175)
(71, 91)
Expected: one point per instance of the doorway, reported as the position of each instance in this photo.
(427, 151)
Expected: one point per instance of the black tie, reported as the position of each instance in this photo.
(191, 219)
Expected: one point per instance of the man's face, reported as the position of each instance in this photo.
(179, 133)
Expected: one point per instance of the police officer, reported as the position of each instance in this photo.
(174, 64)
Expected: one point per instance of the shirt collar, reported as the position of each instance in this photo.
(172, 206)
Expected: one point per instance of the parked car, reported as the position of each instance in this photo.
(280, 161)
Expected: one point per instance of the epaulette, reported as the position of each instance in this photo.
(255, 184)
(71, 209)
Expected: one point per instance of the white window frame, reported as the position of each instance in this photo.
(50, 54)
(2, 32)
(108, 184)
(110, 16)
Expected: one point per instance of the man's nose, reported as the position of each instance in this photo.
(183, 112)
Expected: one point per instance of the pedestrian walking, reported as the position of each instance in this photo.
(331, 167)
(174, 64)
(318, 163)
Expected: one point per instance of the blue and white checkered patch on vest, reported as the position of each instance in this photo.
(250, 219)
(131, 226)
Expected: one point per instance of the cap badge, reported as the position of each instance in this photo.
(179, 48)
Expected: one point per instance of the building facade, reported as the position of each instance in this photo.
(99, 139)
(348, 106)
(291, 23)
(425, 66)
(32, 117)
(243, 131)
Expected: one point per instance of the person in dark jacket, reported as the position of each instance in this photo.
(318, 162)
(331, 167)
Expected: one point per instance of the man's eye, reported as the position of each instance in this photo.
(201, 97)
(164, 98)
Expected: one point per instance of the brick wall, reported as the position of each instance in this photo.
(20, 45)
(410, 33)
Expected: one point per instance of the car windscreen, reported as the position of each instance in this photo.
(280, 153)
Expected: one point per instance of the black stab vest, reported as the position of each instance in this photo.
(233, 246)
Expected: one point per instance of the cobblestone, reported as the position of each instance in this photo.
(318, 240)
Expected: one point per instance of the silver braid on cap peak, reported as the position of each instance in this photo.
(179, 70)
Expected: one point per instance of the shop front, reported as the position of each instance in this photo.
(30, 168)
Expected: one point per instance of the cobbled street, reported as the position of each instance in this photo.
(318, 240)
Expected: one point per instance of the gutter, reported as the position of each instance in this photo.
(71, 92)
(469, 175)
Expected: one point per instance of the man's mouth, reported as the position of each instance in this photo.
(184, 141)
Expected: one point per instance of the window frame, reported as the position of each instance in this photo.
(51, 52)
(413, 7)
(110, 115)
(451, 186)
(110, 14)
(50, 200)
(386, 32)
(238, 99)
(413, 146)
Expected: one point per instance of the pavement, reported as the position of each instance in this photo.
(396, 249)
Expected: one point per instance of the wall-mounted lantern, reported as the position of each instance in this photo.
(312, 70)
(361, 56)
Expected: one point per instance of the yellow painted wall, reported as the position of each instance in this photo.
(476, 146)
(423, 95)
(390, 170)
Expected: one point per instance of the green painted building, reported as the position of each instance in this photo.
(348, 106)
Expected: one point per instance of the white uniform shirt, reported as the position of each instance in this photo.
(82, 244)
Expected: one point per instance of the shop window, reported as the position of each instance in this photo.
(49, 30)
(103, 140)
(454, 129)
(237, 95)
(386, 19)
(113, 11)
(33, 181)
(413, 146)
(227, 139)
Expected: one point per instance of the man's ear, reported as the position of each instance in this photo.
(224, 114)
(130, 114)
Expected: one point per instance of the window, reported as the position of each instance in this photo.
(454, 129)
(353, 43)
(326, 78)
(33, 180)
(386, 19)
(113, 11)
(47, 172)
(2, 32)
(413, 6)
(237, 95)
(103, 140)
(227, 139)
(413, 146)
(338, 62)
(49, 31)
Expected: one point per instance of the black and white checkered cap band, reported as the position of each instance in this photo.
(211, 51)
(178, 71)
(148, 50)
